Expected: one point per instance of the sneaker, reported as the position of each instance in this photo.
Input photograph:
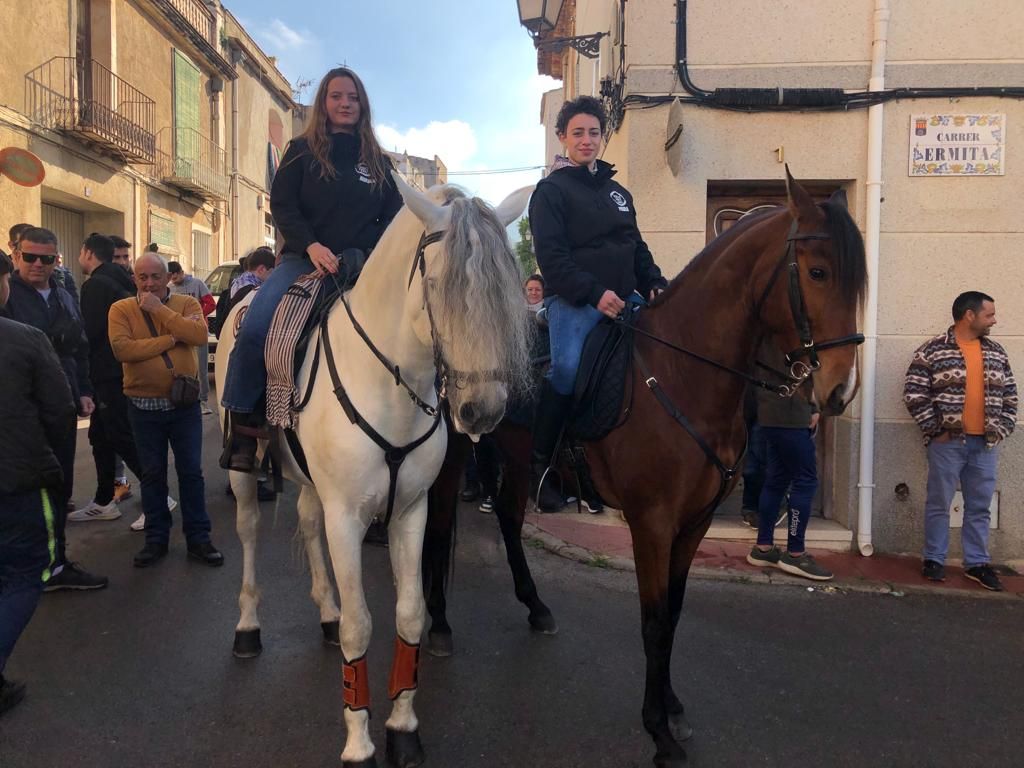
(749, 517)
(11, 694)
(933, 570)
(205, 410)
(122, 490)
(71, 576)
(140, 523)
(984, 575)
(761, 558)
(486, 505)
(206, 553)
(95, 511)
(593, 506)
(803, 565)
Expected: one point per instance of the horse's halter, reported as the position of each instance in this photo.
(799, 371)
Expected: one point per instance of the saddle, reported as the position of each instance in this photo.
(296, 318)
(600, 401)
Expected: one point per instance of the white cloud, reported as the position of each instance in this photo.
(453, 141)
(282, 37)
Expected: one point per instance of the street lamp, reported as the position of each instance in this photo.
(539, 16)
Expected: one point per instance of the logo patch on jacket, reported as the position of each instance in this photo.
(619, 199)
(364, 173)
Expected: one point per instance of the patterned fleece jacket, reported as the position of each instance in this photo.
(936, 383)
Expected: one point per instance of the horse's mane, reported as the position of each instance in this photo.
(479, 297)
(847, 249)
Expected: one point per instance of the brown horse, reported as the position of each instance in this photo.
(795, 275)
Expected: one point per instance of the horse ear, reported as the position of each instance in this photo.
(839, 198)
(512, 206)
(434, 217)
(801, 205)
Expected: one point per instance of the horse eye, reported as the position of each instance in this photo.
(818, 274)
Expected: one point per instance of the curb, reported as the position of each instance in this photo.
(569, 551)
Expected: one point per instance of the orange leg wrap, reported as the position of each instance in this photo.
(356, 684)
(404, 668)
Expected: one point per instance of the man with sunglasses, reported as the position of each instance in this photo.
(36, 412)
(37, 299)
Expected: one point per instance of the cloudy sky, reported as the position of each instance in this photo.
(456, 78)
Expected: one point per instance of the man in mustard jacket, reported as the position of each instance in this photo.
(154, 335)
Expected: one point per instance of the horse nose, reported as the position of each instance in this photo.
(467, 413)
(837, 400)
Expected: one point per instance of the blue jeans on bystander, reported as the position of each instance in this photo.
(972, 465)
(791, 463)
(182, 429)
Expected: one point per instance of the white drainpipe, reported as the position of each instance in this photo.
(866, 481)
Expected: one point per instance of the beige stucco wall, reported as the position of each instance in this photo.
(939, 236)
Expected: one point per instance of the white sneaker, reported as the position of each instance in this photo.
(171, 504)
(140, 524)
(94, 511)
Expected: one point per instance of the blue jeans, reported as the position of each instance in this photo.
(27, 553)
(182, 429)
(791, 463)
(753, 467)
(246, 381)
(973, 466)
(568, 326)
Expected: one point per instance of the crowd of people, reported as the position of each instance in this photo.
(130, 353)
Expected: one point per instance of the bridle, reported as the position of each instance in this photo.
(799, 371)
(394, 456)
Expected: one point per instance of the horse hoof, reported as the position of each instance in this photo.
(680, 727)
(369, 762)
(440, 644)
(332, 632)
(403, 749)
(544, 623)
(247, 643)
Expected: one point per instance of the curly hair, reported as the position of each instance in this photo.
(584, 105)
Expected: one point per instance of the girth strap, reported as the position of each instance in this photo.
(394, 456)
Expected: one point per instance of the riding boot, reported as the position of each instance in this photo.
(548, 421)
(239, 452)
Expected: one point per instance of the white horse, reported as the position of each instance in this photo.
(448, 309)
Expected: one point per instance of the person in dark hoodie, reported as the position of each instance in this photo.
(593, 259)
(333, 192)
(37, 299)
(110, 433)
(37, 414)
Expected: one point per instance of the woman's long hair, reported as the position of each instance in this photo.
(319, 140)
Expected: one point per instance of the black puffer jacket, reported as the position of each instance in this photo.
(59, 317)
(107, 283)
(36, 410)
(586, 239)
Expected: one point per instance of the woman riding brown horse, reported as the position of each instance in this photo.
(795, 275)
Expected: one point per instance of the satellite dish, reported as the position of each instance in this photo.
(22, 167)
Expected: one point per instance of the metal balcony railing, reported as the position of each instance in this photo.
(86, 99)
(199, 16)
(189, 160)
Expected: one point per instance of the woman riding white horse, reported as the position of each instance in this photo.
(449, 308)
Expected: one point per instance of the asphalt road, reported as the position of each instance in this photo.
(141, 674)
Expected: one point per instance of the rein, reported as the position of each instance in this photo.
(798, 374)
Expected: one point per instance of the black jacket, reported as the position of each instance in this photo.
(349, 211)
(36, 410)
(107, 283)
(60, 319)
(586, 239)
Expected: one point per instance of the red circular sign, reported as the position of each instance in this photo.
(22, 167)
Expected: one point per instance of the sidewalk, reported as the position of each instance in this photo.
(604, 541)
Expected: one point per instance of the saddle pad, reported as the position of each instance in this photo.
(601, 380)
(290, 319)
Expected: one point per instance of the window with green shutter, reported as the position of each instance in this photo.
(186, 114)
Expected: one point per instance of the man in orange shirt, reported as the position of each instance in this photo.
(154, 335)
(961, 391)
